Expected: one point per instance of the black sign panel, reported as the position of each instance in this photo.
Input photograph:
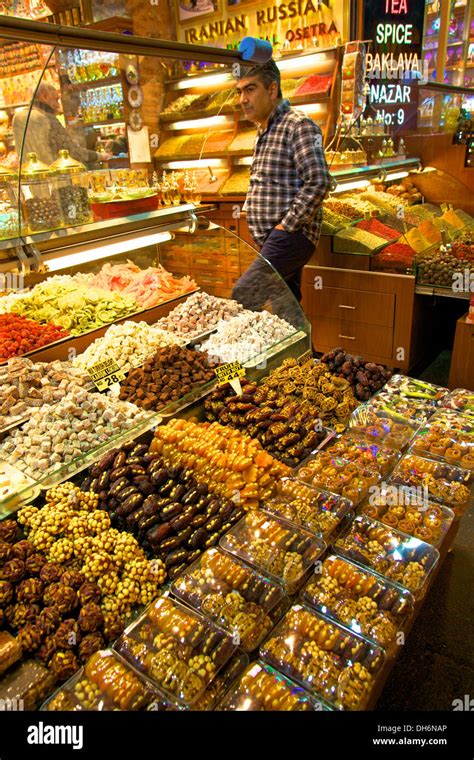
(394, 64)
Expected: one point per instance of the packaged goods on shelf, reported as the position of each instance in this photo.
(444, 483)
(246, 335)
(148, 287)
(193, 643)
(105, 683)
(326, 659)
(360, 600)
(365, 378)
(228, 461)
(74, 307)
(128, 343)
(238, 182)
(385, 427)
(199, 314)
(460, 400)
(395, 555)
(410, 408)
(58, 434)
(25, 385)
(409, 513)
(262, 687)
(18, 334)
(314, 510)
(339, 476)
(27, 684)
(283, 551)
(176, 517)
(410, 388)
(354, 240)
(168, 375)
(362, 453)
(233, 596)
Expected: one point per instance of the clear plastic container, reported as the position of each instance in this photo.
(363, 453)
(338, 476)
(395, 555)
(360, 600)
(16, 489)
(325, 658)
(105, 683)
(40, 198)
(444, 483)
(178, 649)
(317, 511)
(232, 595)
(461, 400)
(387, 428)
(262, 688)
(283, 551)
(417, 390)
(408, 408)
(73, 189)
(409, 512)
(448, 440)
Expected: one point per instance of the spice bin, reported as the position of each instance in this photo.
(232, 595)
(317, 511)
(360, 600)
(282, 551)
(325, 658)
(176, 648)
(40, 198)
(403, 559)
(73, 189)
(444, 483)
(262, 688)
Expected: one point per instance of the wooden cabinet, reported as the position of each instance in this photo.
(462, 362)
(365, 313)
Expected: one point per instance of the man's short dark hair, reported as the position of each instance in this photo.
(267, 73)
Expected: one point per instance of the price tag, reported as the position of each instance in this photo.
(231, 373)
(106, 374)
(305, 357)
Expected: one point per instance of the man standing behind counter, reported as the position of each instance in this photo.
(289, 180)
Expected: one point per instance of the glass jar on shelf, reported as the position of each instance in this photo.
(165, 191)
(8, 204)
(40, 200)
(196, 192)
(73, 192)
(175, 192)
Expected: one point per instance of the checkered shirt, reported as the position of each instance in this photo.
(289, 176)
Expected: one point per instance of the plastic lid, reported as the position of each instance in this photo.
(33, 168)
(65, 164)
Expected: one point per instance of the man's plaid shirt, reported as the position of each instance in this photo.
(289, 176)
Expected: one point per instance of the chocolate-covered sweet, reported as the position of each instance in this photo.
(29, 637)
(72, 578)
(91, 617)
(34, 563)
(6, 593)
(47, 649)
(64, 664)
(114, 625)
(91, 643)
(8, 531)
(21, 613)
(13, 570)
(22, 549)
(30, 590)
(51, 572)
(68, 635)
(89, 592)
(6, 552)
(49, 619)
(60, 596)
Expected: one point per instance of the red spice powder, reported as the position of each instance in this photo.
(378, 228)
